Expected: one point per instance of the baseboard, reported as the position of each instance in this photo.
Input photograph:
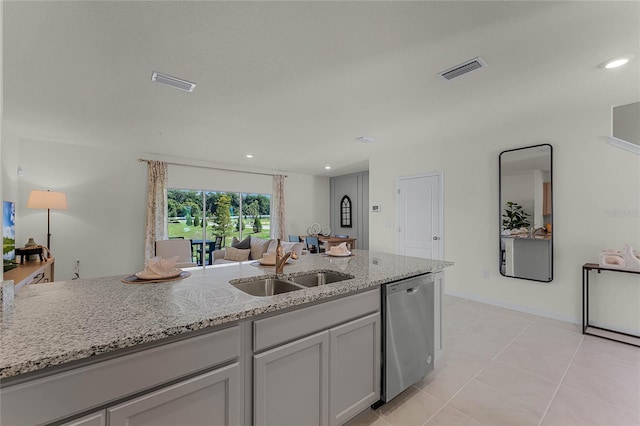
(515, 307)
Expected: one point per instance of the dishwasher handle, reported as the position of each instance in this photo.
(410, 285)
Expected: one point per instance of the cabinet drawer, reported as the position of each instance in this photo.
(209, 399)
(285, 327)
(64, 394)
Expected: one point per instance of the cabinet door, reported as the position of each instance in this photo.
(291, 383)
(354, 366)
(209, 399)
(95, 419)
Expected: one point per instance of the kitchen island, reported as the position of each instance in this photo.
(65, 326)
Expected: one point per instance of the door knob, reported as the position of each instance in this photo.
(436, 238)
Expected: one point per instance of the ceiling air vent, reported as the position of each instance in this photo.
(177, 83)
(463, 68)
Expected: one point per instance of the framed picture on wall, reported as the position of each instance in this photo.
(8, 230)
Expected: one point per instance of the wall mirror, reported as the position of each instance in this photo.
(526, 213)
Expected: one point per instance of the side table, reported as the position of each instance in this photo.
(586, 268)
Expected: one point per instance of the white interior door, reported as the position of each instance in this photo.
(419, 220)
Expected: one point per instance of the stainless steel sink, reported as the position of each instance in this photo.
(267, 287)
(319, 278)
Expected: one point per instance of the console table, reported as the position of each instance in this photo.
(586, 268)
(31, 272)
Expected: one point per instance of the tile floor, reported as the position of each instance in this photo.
(503, 367)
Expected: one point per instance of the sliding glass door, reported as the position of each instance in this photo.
(203, 216)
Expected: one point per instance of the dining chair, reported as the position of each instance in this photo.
(176, 247)
(218, 243)
(294, 239)
(313, 245)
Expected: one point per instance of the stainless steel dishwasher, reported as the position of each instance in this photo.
(408, 337)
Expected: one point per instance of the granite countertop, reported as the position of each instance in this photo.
(54, 323)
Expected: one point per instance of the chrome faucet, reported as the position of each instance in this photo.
(281, 258)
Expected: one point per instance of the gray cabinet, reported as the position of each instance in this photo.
(95, 419)
(211, 398)
(321, 365)
(68, 393)
(354, 366)
(291, 383)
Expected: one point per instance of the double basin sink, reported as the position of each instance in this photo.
(271, 286)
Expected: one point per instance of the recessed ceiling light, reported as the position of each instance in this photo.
(616, 62)
(327, 167)
(365, 139)
(176, 83)
(249, 156)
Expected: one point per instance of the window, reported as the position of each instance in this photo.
(194, 214)
(345, 212)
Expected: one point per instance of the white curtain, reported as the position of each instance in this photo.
(156, 221)
(277, 208)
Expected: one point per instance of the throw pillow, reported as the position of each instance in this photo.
(244, 244)
(258, 247)
(239, 255)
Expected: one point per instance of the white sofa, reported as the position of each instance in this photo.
(258, 246)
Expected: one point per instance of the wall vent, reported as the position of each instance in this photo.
(177, 83)
(466, 67)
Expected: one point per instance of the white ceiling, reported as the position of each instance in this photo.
(295, 83)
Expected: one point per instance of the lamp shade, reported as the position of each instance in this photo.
(47, 200)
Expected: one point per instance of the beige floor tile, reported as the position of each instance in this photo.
(534, 363)
(514, 313)
(443, 382)
(553, 420)
(476, 309)
(575, 328)
(614, 349)
(615, 391)
(602, 363)
(502, 327)
(491, 406)
(456, 318)
(550, 341)
(449, 416)
(479, 344)
(449, 301)
(582, 409)
(464, 361)
(411, 407)
(534, 390)
(366, 418)
(449, 330)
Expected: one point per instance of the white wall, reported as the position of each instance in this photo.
(596, 206)
(103, 227)
(106, 193)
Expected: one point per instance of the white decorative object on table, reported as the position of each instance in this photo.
(625, 259)
(158, 267)
(314, 229)
(340, 250)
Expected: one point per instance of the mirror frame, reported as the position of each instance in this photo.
(500, 207)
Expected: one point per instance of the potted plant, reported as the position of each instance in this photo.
(514, 217)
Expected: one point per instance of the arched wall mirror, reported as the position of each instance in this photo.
(526, 213)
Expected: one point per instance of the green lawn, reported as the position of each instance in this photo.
(195, 233)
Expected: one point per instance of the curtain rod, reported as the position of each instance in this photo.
(211, 168)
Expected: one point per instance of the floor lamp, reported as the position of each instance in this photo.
(47, 200)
